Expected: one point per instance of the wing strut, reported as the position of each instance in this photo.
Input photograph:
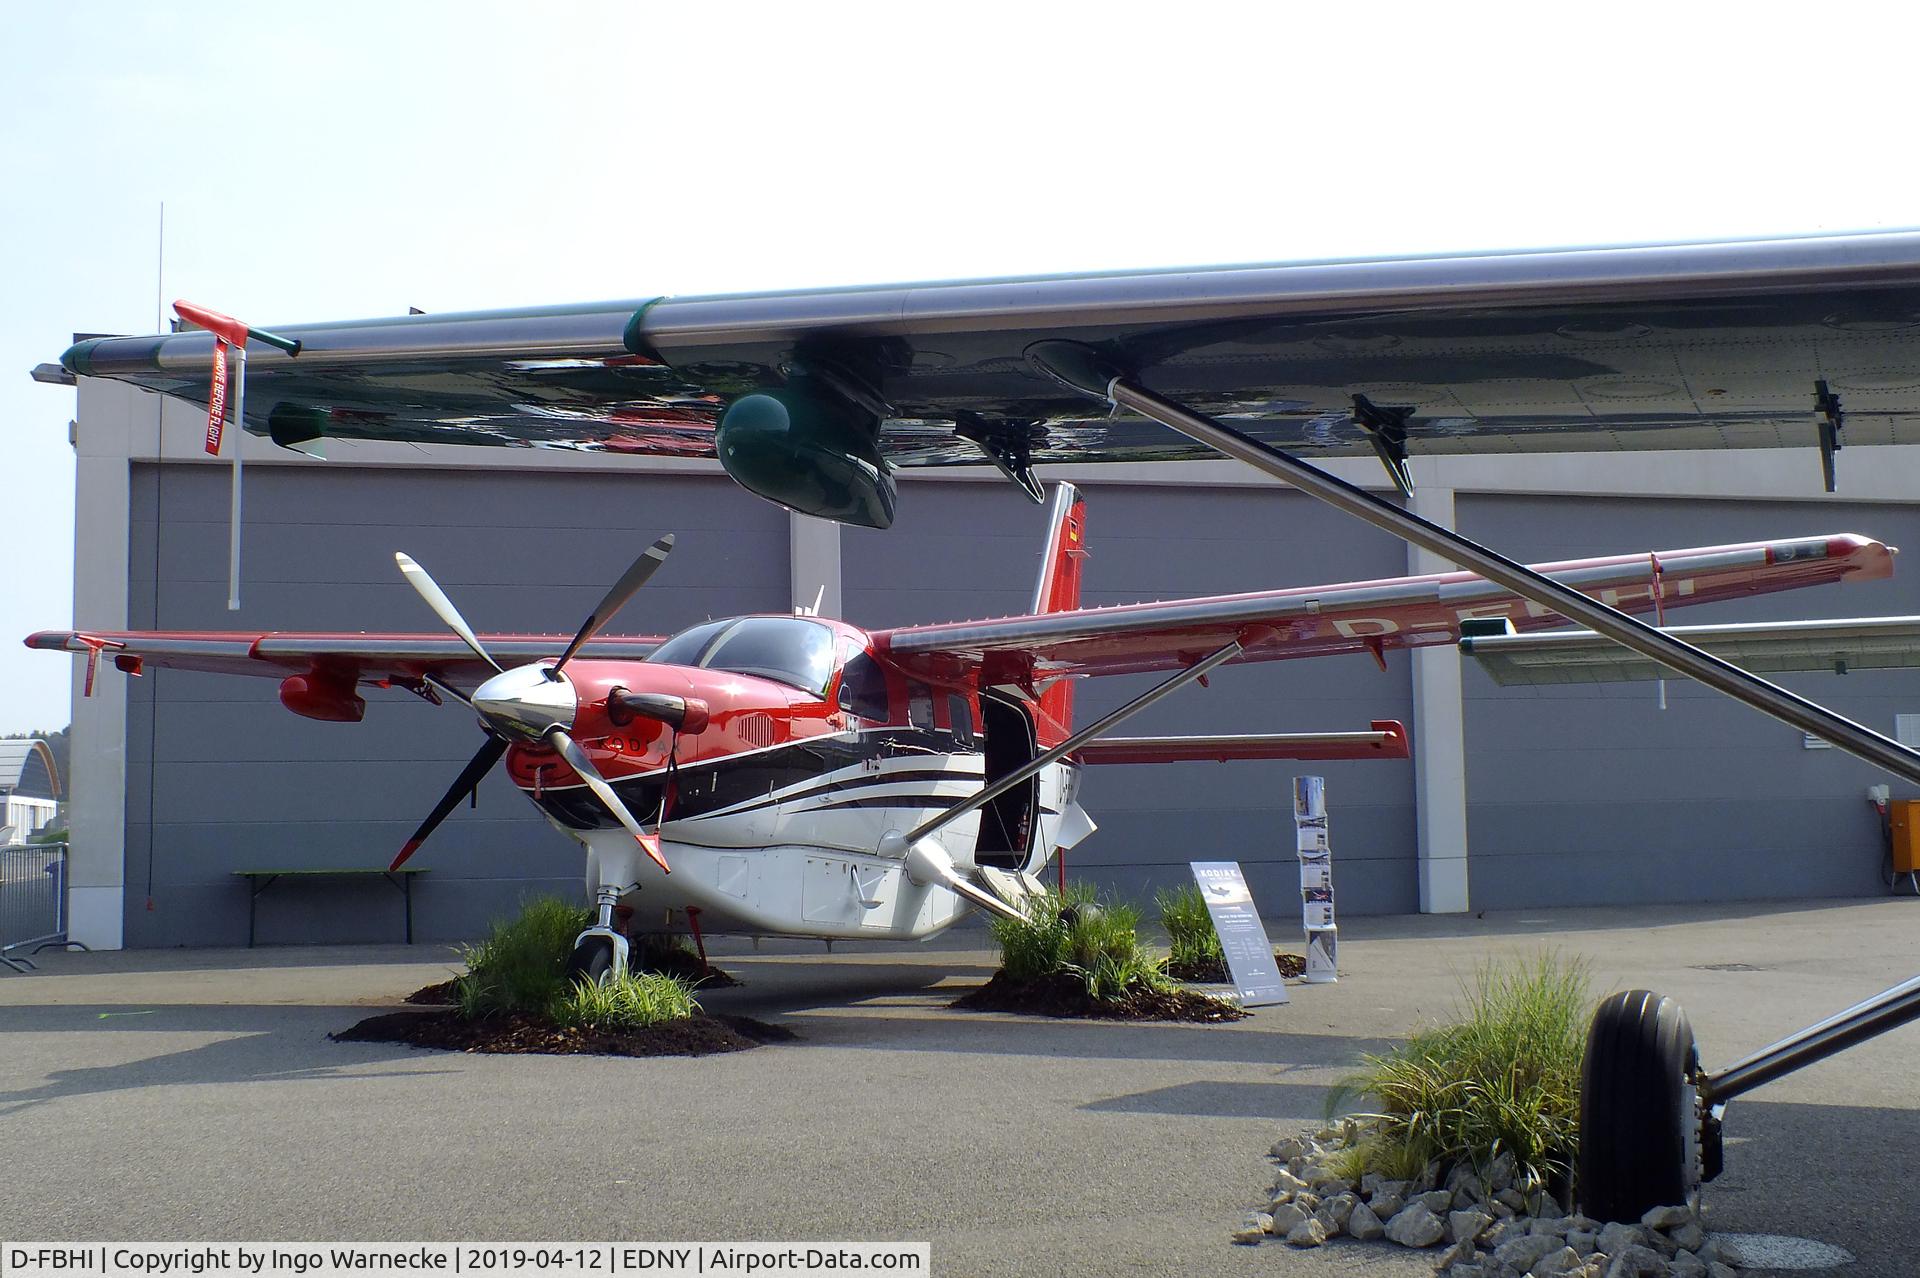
(1088, 372)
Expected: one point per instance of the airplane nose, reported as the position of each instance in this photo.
(526, 702)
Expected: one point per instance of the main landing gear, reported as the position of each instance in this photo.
(1650, 1117)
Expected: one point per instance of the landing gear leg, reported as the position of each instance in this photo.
(601, 951)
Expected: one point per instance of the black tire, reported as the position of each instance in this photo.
(1072, 914)
(591, 961)
(1639, 1115)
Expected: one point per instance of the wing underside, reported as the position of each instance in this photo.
(362, 659)
(1690, 346)
(1580, 656)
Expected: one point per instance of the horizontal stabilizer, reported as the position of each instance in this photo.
(1581, 656)
(1386, 740)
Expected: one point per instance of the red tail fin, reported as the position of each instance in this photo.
(1058, 590)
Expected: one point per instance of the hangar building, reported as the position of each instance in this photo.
(1514, 798)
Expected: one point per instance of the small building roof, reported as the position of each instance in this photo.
(26, 769)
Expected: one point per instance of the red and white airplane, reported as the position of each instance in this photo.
(796, 775)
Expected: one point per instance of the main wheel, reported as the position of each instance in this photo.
(591, 961)
(1639, 1114)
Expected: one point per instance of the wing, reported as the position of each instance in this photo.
(1679, 346)
(1364, 616)
(1580, 656)
(349, 659)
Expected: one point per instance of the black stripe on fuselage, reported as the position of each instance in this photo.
(747, 782)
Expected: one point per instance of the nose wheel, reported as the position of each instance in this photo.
(601, 950)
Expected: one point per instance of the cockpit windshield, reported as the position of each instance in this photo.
(789, 650)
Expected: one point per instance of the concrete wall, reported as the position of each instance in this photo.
(221, 778)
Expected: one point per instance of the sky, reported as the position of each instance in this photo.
(351, 159)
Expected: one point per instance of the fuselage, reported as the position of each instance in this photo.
(799, 753)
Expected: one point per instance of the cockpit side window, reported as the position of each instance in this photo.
(863, 689)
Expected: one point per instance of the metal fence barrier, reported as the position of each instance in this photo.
(33, 901)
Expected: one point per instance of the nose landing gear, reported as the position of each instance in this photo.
(601, 950)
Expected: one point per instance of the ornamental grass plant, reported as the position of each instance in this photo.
(1071, 934)
(1191, 940)
(522, 965)
(629, 1001)
(1503, 1079)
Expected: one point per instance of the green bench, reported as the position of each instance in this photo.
(259, 881)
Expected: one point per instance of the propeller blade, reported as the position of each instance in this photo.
(577, 760)
(616, 599)
(442, 606)
(470, 776)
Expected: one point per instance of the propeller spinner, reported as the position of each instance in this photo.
(533, 704)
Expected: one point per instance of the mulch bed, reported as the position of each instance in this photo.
(699, 1035)
(437, 995)
(1216, 973)
(1066, 996)
(668, 963)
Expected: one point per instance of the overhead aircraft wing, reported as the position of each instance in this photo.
(1368, 616)
(1750, 344)
(1580, 656)
(349, 659)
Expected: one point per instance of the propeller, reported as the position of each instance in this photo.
(470, 777)
(630, 581)
(532, 703)
(577, 760)
(442, 606)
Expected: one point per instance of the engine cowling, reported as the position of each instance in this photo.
(810, 451)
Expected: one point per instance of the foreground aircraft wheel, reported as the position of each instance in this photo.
(591, 961)
(1639, 1114)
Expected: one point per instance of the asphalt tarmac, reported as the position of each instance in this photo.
(193, 1095)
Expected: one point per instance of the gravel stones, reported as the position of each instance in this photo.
(1467, 1226)
(1615, 1237)
(1521, 1254)
(1311, 1232)
(1415, 1225)
(1635, 1261)
(1555, 1263)
(1364, 1225)
(1284, 1218)
(1496, 1220)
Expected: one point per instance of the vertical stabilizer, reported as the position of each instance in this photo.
(1058, 589)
